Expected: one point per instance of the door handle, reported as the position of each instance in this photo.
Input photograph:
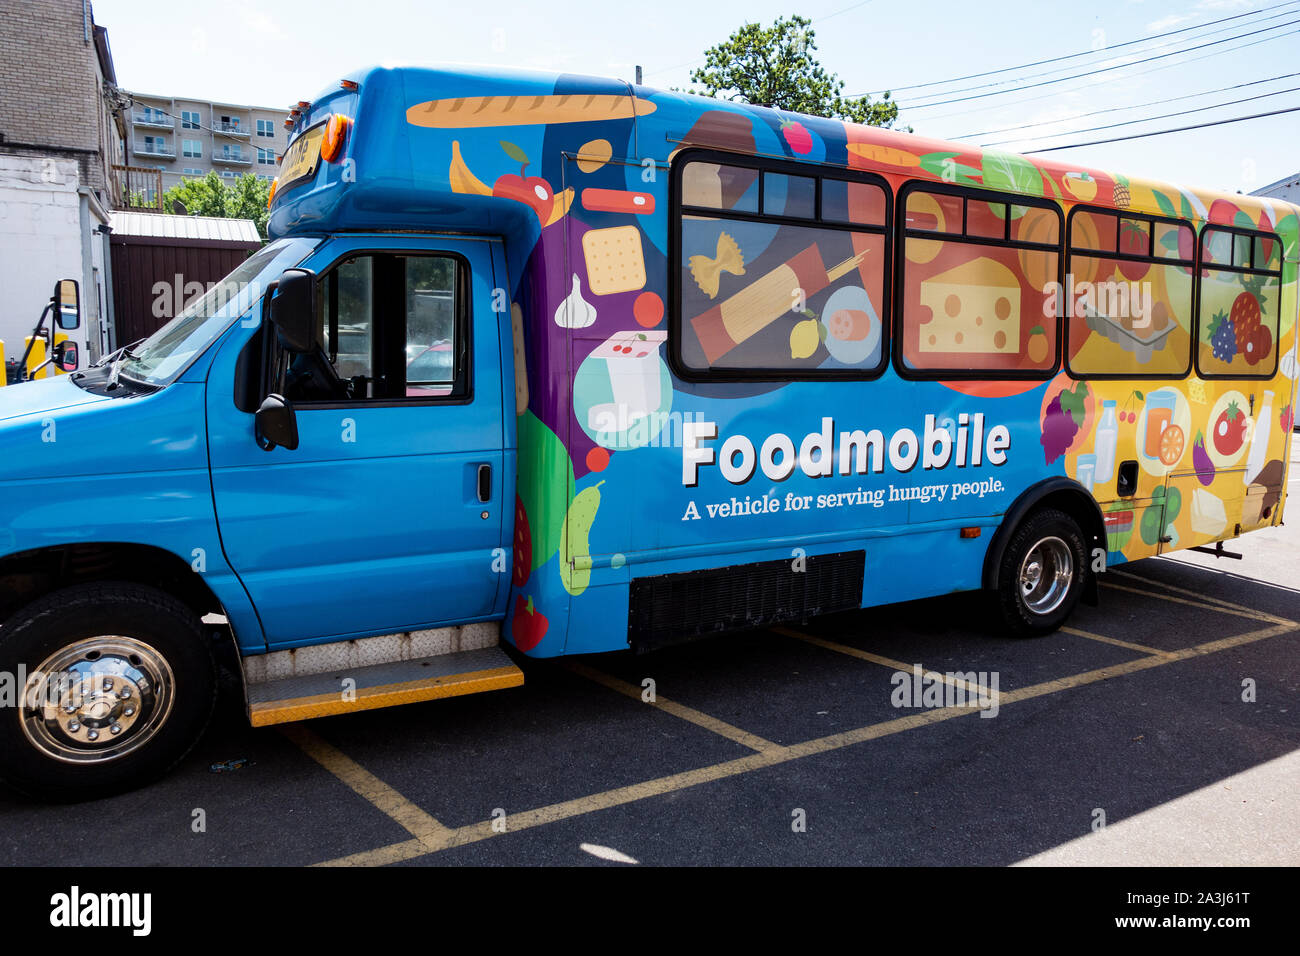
(484, 482)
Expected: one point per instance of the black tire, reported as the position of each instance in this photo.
(146, 645)
(1030, 609)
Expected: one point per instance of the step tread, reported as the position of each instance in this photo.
(382, 685)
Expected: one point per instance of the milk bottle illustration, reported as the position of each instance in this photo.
(1105, 443)
(1259, 440)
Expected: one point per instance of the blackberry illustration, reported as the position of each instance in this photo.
(1223, 337)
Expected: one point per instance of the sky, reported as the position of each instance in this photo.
(276, 52)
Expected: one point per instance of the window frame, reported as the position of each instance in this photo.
(815, 171)
(1277, 324)
(900, 263)
(464, 327)
(1151, 220)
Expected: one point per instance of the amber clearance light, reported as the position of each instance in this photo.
(336, 136)
(270, 197)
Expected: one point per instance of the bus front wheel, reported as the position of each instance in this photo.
(119, 683)
(1040, 578)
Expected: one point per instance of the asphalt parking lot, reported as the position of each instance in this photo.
(783, 747)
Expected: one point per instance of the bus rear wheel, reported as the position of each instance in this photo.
(119, 683)
(1040, 578)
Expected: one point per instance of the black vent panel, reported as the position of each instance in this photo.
(678, 607)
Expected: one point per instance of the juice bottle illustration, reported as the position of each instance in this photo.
(1104, 444)
(1259, 440)
(1160, 412)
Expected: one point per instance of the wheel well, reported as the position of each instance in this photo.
(29, 575)
(1061, 494)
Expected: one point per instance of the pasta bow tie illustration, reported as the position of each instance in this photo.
(707, 272)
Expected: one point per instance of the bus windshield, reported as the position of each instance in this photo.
(160, 359)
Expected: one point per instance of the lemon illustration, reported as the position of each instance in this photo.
(804, 338)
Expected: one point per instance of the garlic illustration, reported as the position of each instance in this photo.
(575, 312)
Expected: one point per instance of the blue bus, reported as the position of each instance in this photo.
(550, 364)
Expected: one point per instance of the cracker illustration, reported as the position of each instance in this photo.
(615, 262)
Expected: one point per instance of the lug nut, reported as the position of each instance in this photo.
(74, 726)
(108, 683)
(115, 729)
(93, 735)
(128, 712)
(124, 693)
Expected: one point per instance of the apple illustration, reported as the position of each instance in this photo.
(532, 191)
(528, 626)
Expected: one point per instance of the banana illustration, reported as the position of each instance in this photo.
(461, 179)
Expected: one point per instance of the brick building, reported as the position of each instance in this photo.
(61, 131)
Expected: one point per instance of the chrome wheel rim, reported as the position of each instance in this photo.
(1045, 575)
(97, 699)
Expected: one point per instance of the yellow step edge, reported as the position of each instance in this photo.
(384, 695)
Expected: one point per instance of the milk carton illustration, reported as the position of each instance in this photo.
(1107, 439)
(1259, 440)
(632, 359)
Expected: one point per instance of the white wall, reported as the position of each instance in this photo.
(43, 239)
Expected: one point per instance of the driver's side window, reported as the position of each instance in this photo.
(391, 327)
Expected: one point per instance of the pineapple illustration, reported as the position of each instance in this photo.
(1196, 391)
(1123, 197)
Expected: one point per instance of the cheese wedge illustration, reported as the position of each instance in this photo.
(975, 308)
(1208, 514)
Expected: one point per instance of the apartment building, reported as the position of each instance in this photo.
(186, 138)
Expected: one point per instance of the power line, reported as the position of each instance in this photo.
(1108, 69)
(1117, 63)
(1119, 109)
(1147, 119)
(1074, 56)
(1164, 132)
(1103, 82)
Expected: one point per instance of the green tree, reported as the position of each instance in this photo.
(245, 198)
(774, 66)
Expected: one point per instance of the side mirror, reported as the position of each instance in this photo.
(66, 356)
(67, 305)
(293, 310)
(276, 423)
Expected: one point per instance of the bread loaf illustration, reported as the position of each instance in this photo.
(465, 112)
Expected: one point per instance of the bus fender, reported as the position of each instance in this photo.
(1057, 492)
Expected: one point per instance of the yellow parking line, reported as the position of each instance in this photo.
(868, 656)
(719, 727)
(1203, 605)
(1142, 648)
(778, 755)
(426, 830)
(1262, 615)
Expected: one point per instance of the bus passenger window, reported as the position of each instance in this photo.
(760, 295)
(1128, 295)
(1240, 303)
(977, 283)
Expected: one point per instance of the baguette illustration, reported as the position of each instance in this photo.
(465, 112)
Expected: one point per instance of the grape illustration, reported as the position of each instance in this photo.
(1223, 337)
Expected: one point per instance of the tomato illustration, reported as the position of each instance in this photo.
(1230, 430)
(1132, 242)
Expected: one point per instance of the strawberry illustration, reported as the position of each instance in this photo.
(797, 135)
(523, 562)
(1246, 313)
(1288, 418)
